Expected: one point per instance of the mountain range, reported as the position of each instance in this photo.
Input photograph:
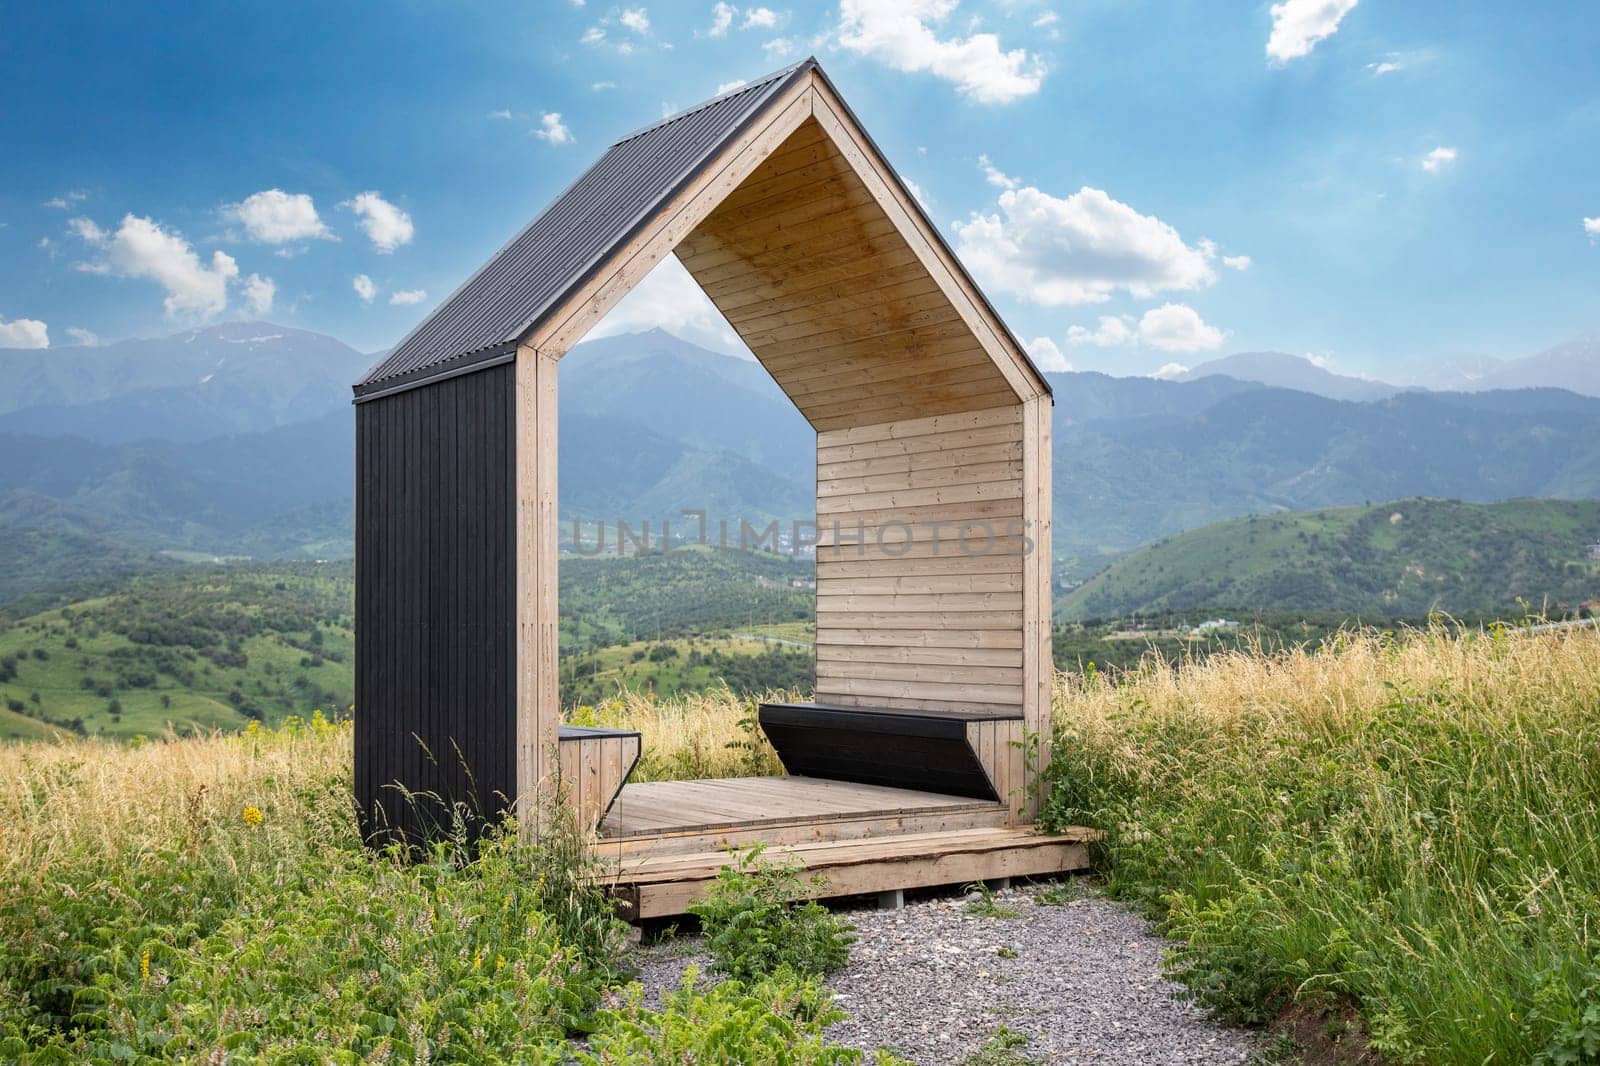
(1574, 366)
(237, 440)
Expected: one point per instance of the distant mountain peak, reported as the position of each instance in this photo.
(1285, 371)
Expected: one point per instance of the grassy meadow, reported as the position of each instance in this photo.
(1406, 826)
(1391, 834)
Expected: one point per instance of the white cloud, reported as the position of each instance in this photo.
(407, 297)
(1113, 331)
(1046, 356)
(636, 19)
(1178, 328)
(759, 18)
(668, 298)
(1237, 262)
(1297, 26)
(258, 294)
(778, 47)
(1591, 226)
(592, 35)
(142, 249)
(504, 113)
(1386, 66)
(24, 333)
(916, 191)
(721, 19)
(67, 199)
(602, 86)
(552, 129)
(1048, 18)
(1079, 250)
(385, 225)
(897, 33)
(1170, 371)
(729, 86)
(1438, 159)
(1168, 328)
(993, 175)
(365, 288)
(273, 216)
(87, 338)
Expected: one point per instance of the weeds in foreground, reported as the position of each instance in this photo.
(757, 924)
(1402, 822)
(1001, 1049)
(208, 899)
(986, 906)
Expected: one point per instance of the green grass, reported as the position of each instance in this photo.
(1401, 559)
(1407, 825)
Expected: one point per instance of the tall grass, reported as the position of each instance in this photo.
(712, 734)
(1409, 824)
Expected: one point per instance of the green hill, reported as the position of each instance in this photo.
(215, 646)
(1405, 558)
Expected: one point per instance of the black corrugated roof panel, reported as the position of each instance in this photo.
(482, 321)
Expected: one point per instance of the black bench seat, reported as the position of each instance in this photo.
(924, 750)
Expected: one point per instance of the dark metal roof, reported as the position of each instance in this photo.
(482, 321)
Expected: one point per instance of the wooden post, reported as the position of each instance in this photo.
(538, 693)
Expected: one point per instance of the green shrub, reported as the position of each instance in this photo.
(775, 1020)
(755, 926)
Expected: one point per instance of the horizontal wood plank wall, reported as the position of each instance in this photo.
(920, 563)
(435, 654)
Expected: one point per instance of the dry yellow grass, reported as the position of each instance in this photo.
(713, 734)
(81, 797)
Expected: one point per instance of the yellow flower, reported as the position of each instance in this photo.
(144, 965)
(252, 816)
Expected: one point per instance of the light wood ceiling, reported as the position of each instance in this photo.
(832, 299)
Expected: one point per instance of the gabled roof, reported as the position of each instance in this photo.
(482, 321)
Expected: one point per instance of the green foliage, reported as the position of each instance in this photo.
(1404, 558)
(777, 1019)
(986, 906)
(1001, 1049)
(1421, 849)
(755, 928)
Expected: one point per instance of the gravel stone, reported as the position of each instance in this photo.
(1081, 981)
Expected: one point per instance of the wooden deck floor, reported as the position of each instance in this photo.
(658, 807)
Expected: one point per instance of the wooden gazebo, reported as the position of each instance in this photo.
(933, 513)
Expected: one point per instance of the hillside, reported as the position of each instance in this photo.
(1406, 558)
(1126, 481)
(219, 645)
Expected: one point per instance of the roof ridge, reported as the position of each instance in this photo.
(763, 82)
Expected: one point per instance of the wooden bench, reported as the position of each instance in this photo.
(594, 765)
(956, 753)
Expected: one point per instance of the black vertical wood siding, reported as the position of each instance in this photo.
(435, 604)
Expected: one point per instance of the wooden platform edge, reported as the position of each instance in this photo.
(866, 867)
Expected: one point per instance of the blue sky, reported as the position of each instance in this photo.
(1387, 186)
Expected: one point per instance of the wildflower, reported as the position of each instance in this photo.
(144, 965)
(252, 816)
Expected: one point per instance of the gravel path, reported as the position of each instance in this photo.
(936, 983)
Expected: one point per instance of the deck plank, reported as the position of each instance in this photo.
(654, 807)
